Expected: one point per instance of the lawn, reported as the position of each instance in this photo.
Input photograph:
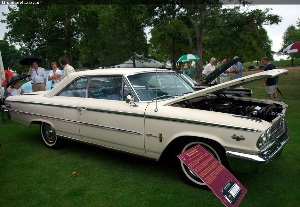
(82, 175)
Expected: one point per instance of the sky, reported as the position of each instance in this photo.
(289, 13)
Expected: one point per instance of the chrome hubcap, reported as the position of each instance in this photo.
(50, 134)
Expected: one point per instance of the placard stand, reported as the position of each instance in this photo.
(224, 185)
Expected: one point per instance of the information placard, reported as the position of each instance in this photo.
(224, 185)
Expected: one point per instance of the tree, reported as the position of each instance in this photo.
(170, 41)
(169, 35)
(212, 30)
(130, 22)
(92, 36)
(206, 16)
(11, 57)
(48, 31)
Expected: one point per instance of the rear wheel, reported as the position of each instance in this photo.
(49, 136)
(213, 148)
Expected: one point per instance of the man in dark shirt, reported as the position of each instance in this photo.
(269, 83)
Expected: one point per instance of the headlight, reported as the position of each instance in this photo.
(263, 139)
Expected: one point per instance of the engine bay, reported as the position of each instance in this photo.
(231, 105)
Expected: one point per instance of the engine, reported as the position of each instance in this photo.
(263, 111)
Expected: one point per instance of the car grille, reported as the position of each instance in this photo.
(277, 129)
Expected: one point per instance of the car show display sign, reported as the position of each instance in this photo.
(224, 185)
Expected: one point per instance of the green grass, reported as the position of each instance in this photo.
(33, 175)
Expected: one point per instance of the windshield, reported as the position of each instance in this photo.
(189, 79)
(161, 85)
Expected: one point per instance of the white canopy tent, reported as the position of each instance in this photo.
(141, 62)
(2, 75)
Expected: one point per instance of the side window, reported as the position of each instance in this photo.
(106, 87)
(76, 89)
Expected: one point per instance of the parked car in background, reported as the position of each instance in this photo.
(232, 91)
(252, 68)
(154, 112)
(27, 87)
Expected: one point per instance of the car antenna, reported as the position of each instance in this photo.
(156, 109)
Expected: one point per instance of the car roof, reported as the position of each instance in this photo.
(118, 71)
(108, 72)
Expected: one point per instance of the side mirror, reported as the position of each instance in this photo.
(130, 100)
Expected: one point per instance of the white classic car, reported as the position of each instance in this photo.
(151, 113)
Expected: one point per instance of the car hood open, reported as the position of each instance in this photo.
(230, 84)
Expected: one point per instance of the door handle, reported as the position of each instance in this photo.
(81, 108)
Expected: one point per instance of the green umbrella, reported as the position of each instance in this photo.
(188, 57)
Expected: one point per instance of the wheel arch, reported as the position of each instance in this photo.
(183, 143)
(40, 121)
(172, 149)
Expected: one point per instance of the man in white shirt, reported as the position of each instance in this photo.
(210, 67)
(37, 77)
(68, 69)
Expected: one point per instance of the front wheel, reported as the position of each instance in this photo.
(49, 136)
(213, 148)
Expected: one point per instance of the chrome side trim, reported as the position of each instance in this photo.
(77, 122)
(110, 128)
(161, 118)
(152, 117)
(43, 116)
(203, 123)
(44, 104)
(248, 118)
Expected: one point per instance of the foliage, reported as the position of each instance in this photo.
(169, 35)
(43, 30)
(167, 39)
(92, 39)
(93, 35)
(130, 22)
(78, 31)
(245, 33)
(208, 28)
(11, 57)
(112, 33)
(250, 35)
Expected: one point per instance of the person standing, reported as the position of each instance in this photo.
(68, 69)
(190, 70)
(225, 76)
(37, 77)
(237, 69)
(54, 75)
(8, 76)
(182, 67)
(210, 67)
(269, 83)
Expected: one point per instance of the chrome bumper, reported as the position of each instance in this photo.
(247, 163)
